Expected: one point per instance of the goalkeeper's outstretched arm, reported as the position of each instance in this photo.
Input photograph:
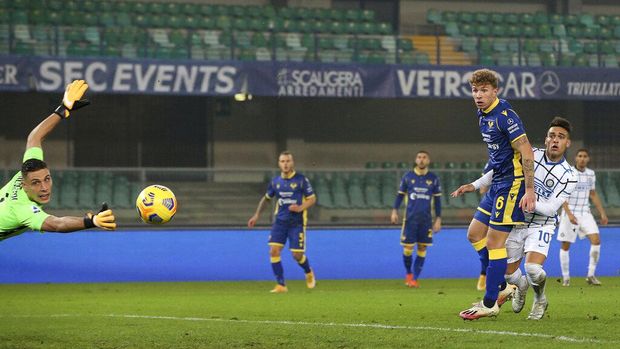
(72, 100)
(104, 219)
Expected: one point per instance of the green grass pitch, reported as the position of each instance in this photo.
(337, 314)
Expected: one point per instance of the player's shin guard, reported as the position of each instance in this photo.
(495, 275)
(407, 259)
(595, 253)
(278, 271)
(418, 264)
(481, 249)
(304, 264)
(537, 277)
(564, 264)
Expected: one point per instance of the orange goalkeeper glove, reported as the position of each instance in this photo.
(104, 219)
(72, 99)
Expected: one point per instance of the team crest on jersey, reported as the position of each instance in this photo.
(413, 181)
(549, 183)
(491, 123)
(35, 209)
(293, 185)
(429, 182)
(278, 186)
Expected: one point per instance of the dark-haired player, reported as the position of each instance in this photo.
(22, 199)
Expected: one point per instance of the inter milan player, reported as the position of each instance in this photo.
(22, 199)
(294, 196)
(419, 188)
(578, 220)
(512, 190)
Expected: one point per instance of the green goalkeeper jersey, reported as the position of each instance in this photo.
(17, 212)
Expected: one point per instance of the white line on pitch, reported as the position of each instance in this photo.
(337, 324)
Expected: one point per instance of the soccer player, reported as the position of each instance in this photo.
(22, 199)
(294, 196)
(511, 192)
(419, 187)
(578, 220)
(554, 181)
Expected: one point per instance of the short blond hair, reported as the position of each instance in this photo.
(484, 77)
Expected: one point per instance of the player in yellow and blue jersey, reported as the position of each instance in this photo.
(511, 193)
(23, 197)
(294, 196)
(419, 188)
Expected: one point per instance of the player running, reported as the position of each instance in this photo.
(419, 187)
(295, 196)
(511, 192)
(554, 181)
(578, 220)
(23, 197)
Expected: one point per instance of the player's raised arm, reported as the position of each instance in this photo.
(72, 100)
(523, 146)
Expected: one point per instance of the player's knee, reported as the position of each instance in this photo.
(595, 239)
(535, 273)
(408, 251)
(274, 252)
(298, 255)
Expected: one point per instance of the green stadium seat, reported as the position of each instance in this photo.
(434, 16)
(497, 18)
(610, 61)
(513, 18)
(541, 17)
(465, 17)
(368, 15)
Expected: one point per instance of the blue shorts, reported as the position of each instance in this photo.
(295, 233)
(499, 208)
(416, 231)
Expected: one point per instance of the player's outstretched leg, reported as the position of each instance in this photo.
(537, 277)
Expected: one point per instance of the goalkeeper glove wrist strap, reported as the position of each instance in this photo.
(89, 221)
(61, 111)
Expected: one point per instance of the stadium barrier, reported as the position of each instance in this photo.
(198, 255)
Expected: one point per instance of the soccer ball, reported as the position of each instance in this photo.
(156, 204)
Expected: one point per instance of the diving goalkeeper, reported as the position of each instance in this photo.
(22, 198)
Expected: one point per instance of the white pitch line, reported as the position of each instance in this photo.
(338, 324)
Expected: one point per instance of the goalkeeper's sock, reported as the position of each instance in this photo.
(495, 275)
(278, 270)
(407, 259)
(418, 264)
(304, 263)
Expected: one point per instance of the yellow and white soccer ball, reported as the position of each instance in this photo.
(156, 204)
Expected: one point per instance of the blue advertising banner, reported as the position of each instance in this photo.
(224, 78)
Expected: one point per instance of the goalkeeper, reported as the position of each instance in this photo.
(21, 199)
